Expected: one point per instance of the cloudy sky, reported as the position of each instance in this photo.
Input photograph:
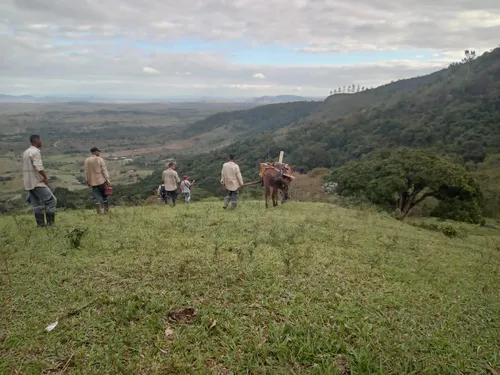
(231, 48)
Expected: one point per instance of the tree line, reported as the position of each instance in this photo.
(348, 89)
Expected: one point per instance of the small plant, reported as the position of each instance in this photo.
(287, 245)
(75, 237)
(251, 247)
(5, 242)
(449, 230)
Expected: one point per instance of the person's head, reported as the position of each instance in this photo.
(95, 151)
(171, 165)
(186, 177)
(232, 156)
(36, 140)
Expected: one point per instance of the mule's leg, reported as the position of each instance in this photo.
(281, 196)
(284, 195)
(275, 196)
(266, 193)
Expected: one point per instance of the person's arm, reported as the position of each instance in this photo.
(37, 163)
(222, 176)
(177, 177)
(104, 171)
(238, 176)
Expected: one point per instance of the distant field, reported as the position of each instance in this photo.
(69, 127)
(300, 289)
(66, 169)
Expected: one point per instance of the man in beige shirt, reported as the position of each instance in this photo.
(231, 179)
(98, 179)
(35, 183)
(171, 181)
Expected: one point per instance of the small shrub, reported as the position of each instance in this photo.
(448, 229)
(75, 237)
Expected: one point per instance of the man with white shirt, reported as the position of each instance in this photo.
(98, 179)
(35, 183)
(171, 181)
(231, 179)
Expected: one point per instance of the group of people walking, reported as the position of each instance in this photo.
(231, 180)
(167, 191)
(44, 202)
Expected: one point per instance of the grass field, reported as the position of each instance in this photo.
(300, 289)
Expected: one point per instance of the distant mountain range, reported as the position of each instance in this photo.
(33, 99)
(85, 99)
(282, 99)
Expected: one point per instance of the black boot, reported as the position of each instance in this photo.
(106, 206)
(40, 220)
(51, 218)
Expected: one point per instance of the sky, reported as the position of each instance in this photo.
(232, 48)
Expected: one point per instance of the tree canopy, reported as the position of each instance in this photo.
(401, 179)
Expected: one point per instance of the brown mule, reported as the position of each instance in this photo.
(275, 179)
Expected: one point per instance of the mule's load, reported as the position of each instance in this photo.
(283, 169)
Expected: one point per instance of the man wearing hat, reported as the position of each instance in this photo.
(97, 178)
(186, 188)
(171, 181)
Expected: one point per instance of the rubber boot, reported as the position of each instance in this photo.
(98, 208)
(40, 220)
(51, 218)
(106, 206)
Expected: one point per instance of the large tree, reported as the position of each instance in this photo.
(403, 178)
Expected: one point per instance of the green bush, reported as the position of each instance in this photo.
(448, 229)
(459, 210)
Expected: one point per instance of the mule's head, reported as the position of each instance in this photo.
(285, 184)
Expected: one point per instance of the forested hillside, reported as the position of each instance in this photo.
(255, 120)
(458, 113)
(456, 110)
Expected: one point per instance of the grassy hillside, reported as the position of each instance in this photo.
(303, 289)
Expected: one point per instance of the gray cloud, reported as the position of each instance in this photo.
(39, 57)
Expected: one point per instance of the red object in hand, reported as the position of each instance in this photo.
(108, 190)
